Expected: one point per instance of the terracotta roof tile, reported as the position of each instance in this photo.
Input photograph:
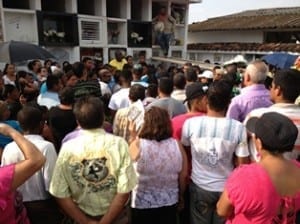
(284, 18)
(265, 47)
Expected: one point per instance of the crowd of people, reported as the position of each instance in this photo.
(204, 147)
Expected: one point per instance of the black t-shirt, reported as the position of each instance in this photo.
(61, 123)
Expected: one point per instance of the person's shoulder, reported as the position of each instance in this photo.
(246, 171)
(245, 182)
(194, 121)
(54, 110)
(38, 140)
(115, 96)
(232, 121)
(257, 112)
(103, 84)
(122, 112)
(10, 147)
(232, 125)
(71, 135)
(85, 83)
(238, 98)
(88, 87)
(123, 92)
(13, 123)
(74, 137)
(116, 141)
(155, 102)
(175, 100)
(11, 154)
(115, 138)
(180, 104)
(94, 84)
(184, 117)
(179, 118)
(44, 144)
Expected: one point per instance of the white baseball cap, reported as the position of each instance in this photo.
(206, 74)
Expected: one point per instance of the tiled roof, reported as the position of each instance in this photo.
(258, 47)
(276, 18)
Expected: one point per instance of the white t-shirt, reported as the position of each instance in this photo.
(105, 90)
(37, 186)
(213, 143)
(119, 99)
(8, 81)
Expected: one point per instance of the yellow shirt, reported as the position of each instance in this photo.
(118, 64)
(91, 169)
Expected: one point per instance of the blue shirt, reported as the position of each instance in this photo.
(4, 140)
(48, 99)
(43, 88)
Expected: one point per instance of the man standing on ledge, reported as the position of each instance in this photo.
(164, 29)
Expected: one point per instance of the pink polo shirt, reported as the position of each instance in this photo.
(12, 210)
(255, 198)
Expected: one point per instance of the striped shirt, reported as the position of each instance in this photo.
(87, 88)
(213, 141)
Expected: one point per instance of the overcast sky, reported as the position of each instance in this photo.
(214, 8)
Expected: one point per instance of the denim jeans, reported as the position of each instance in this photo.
(163, 40)
(203, 206)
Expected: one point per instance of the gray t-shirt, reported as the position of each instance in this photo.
(174, 107)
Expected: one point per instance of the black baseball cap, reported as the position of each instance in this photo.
(194, 90)
(276, 131)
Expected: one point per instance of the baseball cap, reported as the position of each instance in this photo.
(276, 131)
(239, 59)
(137, 67)
(194, 90)
(206, 74)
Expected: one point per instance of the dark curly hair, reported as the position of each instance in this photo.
(157, 125)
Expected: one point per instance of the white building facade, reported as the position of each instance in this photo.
(252, 34)
(73, 29)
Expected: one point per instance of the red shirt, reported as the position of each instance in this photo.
(178, 121)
